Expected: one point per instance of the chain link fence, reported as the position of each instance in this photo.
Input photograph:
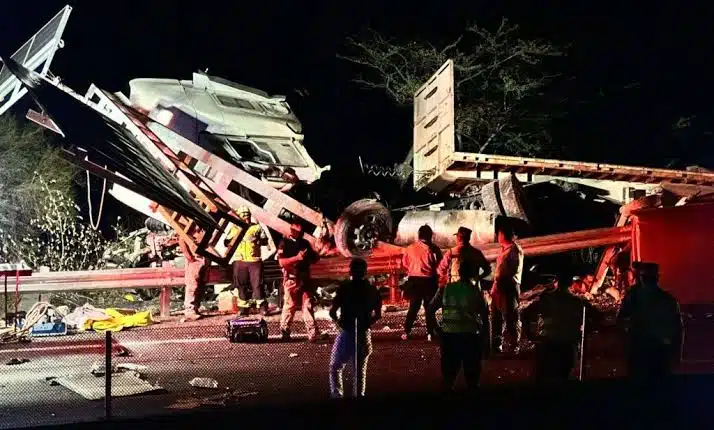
(173, 366)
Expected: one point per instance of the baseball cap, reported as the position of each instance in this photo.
(463, 232)
(646, 267)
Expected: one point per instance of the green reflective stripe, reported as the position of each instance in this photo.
(457, 316)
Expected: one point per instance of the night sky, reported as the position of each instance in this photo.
(281, 46)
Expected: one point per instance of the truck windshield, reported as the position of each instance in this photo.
(278, 152)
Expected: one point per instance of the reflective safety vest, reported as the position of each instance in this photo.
(248, 248)
(461, 308)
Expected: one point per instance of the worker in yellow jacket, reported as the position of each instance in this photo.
(247, 265)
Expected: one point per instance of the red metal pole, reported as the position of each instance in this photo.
(17, 294)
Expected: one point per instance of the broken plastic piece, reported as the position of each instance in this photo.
(16, 361)
(204, 383)
(132, 366)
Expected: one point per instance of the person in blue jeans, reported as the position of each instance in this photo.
(360, 306)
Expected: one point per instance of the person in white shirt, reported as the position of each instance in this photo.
(506, 290)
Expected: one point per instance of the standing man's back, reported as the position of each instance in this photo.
(653, 323)
(360, 305)
(420, 261)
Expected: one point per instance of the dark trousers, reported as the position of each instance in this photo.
(420, 291)
(505, 313)
(554, 361)
(461, 350)
(649, 362)
(248, 278)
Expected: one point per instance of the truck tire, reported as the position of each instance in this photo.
(361, 226)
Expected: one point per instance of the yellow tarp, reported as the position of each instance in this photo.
(119, 321)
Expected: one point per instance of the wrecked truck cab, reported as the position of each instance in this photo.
(243, 125)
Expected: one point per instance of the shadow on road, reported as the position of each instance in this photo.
(595, 404)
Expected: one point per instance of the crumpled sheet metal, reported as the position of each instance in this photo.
(505, 197)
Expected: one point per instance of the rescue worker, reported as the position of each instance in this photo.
(448, 270)
(561, 314)
(194, 271)
(295, 257)
(360, 306)
(464, 313)
(653, 323)
(420, 260)
(506, 290)
(247, 265)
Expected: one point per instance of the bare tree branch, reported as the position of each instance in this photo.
(501, 82)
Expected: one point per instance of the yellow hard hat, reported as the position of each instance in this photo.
(243, 210)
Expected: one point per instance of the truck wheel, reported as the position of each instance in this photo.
(362, 224)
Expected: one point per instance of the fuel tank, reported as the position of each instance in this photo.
(445, 224)
(501, 198)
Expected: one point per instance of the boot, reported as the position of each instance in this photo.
(285, 335)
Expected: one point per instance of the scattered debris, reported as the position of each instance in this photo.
(132, 367)
(123, 384)
(204, 383)
(99, 369)
(16, 361)
(292, 355)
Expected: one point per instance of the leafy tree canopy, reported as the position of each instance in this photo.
(25, 152)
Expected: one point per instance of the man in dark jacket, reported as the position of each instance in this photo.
(653, 323)
(360, 305)
(561, 314)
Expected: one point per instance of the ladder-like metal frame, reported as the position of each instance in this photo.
(223, 173)
(200, 241)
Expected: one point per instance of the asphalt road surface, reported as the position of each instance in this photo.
(276, 372)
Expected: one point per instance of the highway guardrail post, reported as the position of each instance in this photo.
(108, 375)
